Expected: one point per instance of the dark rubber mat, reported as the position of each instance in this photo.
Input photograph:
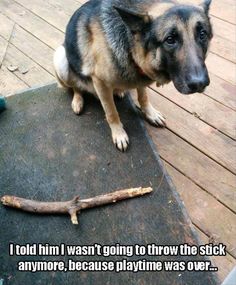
(47, 153)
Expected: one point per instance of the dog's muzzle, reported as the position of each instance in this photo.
(197, 82)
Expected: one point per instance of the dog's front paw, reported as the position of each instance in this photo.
(77, 104)
(120, 137)
(154, 117)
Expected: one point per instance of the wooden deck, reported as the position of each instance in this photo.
(197, 147)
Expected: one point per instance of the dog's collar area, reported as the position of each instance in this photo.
(140, 71)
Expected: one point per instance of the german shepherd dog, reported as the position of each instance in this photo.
(116, 45)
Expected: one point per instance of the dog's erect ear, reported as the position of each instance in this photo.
(206, 6)
(135, 21)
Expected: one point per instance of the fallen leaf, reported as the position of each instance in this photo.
(12, 68)
(24, 70)
(196, 115)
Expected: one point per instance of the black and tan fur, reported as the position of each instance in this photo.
(115, 45)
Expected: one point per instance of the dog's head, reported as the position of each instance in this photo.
(179, 39)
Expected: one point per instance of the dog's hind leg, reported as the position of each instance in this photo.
(105, 94)
(77, 102)
(153, 116)
(61, 67)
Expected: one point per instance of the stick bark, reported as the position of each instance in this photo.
(74, 206)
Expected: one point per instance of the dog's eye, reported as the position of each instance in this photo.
(203, 35)
(171, 40)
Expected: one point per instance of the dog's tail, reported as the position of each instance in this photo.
(61, 67)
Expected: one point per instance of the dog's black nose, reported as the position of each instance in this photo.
(197, 83)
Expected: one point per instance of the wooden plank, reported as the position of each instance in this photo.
(82, 1)
(3, 49)
(224, 263)
(35, 74)
(69, 9)
(222, 91)
(223, 29)
(203, 107)
(224, 39)
(6, 26)
(226, 10)
(204, 137)
(50, 13)
(33, 24)
(224, 48)
(33, 48)
(9, 83)
(221, 67)
(206, 173)
(203, 209)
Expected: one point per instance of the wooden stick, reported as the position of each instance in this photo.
(74, 206)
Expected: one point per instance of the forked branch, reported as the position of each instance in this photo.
(74, 206)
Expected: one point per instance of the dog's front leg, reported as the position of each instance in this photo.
(105, 94)
(153, 116)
